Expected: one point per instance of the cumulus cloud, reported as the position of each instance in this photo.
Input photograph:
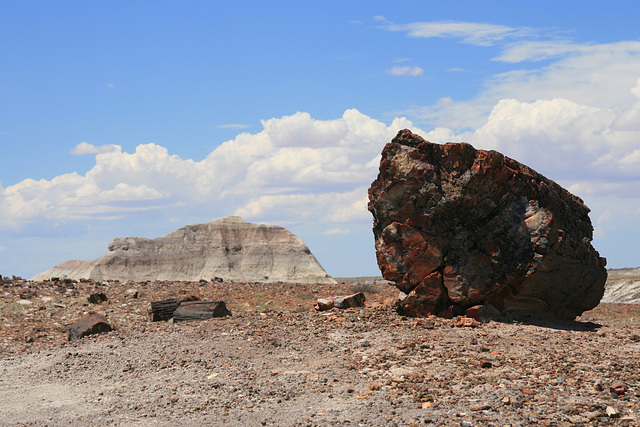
(85, 148)
(405, 71)
(296, 167)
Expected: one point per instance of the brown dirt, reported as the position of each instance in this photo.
(278, 362)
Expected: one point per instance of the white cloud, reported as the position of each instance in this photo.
(86, 148)
(479, 34)
(336, 231)
(597, 75)
(233, 126)
(539, 50)
(405, 71)
(296, 168)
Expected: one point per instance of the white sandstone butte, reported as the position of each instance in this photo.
(228, 248)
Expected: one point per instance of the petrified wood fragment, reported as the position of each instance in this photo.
(163, 310)
(457, 227)
(89, 324)
(200, 310)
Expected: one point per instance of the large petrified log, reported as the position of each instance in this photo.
(163, 310)
(200, 310)
(457, 227)
(186, 309)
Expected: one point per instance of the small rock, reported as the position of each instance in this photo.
(131, 293)
(485, 364)
(464, 321)
(97, 298)
(174, 399)
(618, 387)
(612, 412)
(342, 302)
(506, 400)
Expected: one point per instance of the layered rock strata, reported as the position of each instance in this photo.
(457, 227)
(229, 248)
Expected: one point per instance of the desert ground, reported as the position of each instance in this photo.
(278, 362)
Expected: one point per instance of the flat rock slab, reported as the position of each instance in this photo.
(457, 227)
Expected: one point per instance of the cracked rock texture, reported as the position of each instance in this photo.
(457, 227)
(229, 248)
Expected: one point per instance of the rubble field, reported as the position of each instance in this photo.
(276, 361)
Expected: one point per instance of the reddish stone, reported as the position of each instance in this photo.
(479, 312)
(457, 227)
(618, 387)
(89, 324)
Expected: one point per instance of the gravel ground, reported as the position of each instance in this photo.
(277, 362)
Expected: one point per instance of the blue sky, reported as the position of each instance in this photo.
(136, 118)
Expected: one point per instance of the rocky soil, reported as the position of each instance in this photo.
(277, 362)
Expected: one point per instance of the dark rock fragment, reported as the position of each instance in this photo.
(97, 298)
(200, 310)
(163, 310)
(89, 324)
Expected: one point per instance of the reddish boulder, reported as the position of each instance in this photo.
(457, 227)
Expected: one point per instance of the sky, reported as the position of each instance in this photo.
(135, 118)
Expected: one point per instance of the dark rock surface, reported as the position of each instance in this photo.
(457, 227)
(89, 324)
(200, 310)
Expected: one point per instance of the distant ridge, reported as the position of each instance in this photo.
(623, 286)
(228, 248)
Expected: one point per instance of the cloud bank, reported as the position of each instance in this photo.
(307, 171)
(296, 169)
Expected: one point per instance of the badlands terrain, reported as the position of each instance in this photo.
(276, 361)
